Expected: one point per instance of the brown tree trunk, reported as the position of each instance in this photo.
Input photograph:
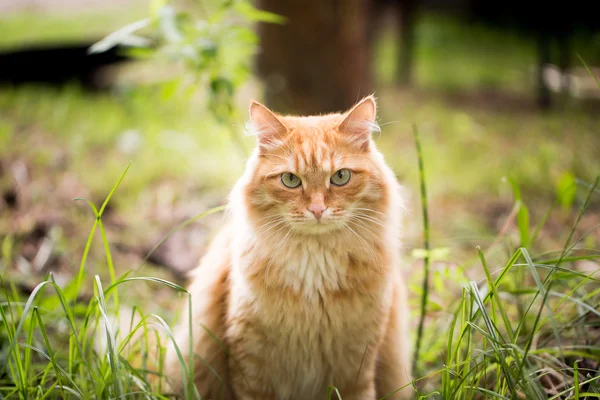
(318, 61)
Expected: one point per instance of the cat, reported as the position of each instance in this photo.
(302, 289)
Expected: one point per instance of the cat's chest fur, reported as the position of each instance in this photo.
(304, 307)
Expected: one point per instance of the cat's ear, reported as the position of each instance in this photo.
(267, 126)
(359, 122)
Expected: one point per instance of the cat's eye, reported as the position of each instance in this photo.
(341, 177)
(290, 180)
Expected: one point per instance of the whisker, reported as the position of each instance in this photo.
(268, 228)
(366, 228)
(389, 122)
(370, 210)
(373, 220)
(374, 235)
(270, 220)
(269, 215)
(364, 243)
(277, 231)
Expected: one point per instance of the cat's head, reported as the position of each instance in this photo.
(316, 174)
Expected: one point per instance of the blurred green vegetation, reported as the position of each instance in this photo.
(47, 28)
(456, 55)
(452, 55)
(101, 133)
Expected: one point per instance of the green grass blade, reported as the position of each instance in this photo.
(74, 389)
(109, 261)
(112, 191)
(542, 290)
(494, 337)
(589, 70)
(495, 296)
(489, 394)
(331, 390)
(74, 292)
(425, 290)
(576, 380)
(74, 338)
(51, 355)
(161, 281)
(180, 226)
(113, 356)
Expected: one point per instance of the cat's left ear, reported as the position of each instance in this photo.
(269, 129)
(359, 122)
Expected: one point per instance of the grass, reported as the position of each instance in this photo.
(513, 291)
(533, 318)
(48, 28)
(89, 368)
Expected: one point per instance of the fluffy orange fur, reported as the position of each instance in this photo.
(302, 289)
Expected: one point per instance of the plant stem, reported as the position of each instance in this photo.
(425, 293)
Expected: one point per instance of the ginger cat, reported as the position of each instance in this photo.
(302, 289)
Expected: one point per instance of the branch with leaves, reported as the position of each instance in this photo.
(215, 45)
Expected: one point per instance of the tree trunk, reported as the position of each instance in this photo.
(318, 61)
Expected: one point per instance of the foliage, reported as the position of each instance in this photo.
(213, 44)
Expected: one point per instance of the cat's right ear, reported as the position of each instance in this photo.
(268, 128)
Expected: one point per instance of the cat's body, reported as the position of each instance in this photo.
(303, 286)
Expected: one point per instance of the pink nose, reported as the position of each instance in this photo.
(317, 209)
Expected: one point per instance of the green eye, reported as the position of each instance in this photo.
(341, 177)
(290, 180)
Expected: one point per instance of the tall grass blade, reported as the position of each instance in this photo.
(180, 226)
(51, 356)
(113, 356)
(425, 290)
(73, 292)
(589, 70)
(494, 338)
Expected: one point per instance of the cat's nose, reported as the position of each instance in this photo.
(317, 209)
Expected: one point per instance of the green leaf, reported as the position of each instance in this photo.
(566, 189)
(169, 88)
(522, 214)
(142, 53)
(523, 223)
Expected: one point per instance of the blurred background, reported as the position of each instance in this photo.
(507, 112)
